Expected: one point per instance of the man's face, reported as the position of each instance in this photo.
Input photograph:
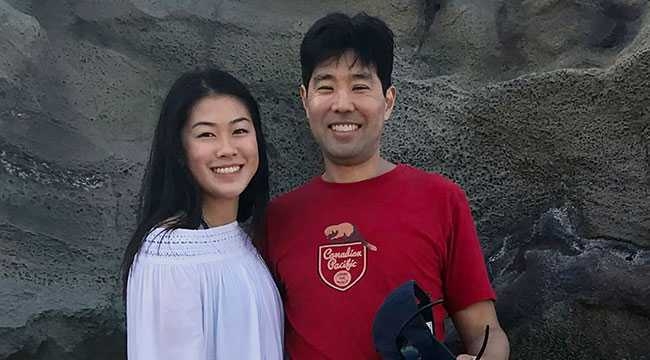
(347, 108)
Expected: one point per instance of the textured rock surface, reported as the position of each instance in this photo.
(540, 109)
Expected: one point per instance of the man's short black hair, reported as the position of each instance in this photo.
(331, 36)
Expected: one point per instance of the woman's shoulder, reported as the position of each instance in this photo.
(173, 240)
(175, 229)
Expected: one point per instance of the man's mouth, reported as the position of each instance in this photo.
(231, 169)
(344, 127)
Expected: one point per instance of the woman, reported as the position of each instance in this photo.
(195, 286)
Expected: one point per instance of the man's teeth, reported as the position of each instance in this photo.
(345, 127)
(226, 170)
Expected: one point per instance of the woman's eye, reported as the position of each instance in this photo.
(206, 134)
(240, 131)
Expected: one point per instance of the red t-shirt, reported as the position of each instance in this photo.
(337, 250)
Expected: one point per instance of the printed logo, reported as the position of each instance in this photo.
(345, 232)
(342, 263)
(341, 266)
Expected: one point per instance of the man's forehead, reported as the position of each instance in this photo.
(347, 61)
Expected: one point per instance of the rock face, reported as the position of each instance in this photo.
(539, 109)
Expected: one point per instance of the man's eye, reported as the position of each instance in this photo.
(324, 88)
(240, 131)
(360, 87)
(205, 134)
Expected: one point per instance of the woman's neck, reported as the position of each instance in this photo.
(217, 212)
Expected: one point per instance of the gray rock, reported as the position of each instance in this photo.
(539, 109)
(563, 296)
(20, 42)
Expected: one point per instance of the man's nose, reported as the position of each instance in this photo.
(343, 101)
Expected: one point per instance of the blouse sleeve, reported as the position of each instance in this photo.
(160, 316)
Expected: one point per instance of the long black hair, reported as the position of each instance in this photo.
(168, 189)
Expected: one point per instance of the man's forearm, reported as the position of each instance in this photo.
(498, 347)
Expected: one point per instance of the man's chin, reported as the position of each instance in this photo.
(346, 158)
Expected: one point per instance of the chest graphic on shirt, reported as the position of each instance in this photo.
(342, 261)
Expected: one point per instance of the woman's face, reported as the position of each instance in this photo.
(220, 146)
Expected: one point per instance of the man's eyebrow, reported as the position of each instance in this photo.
(321, 77)
(363, 75)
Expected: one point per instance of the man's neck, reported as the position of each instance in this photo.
(217, 212)
(374, 167)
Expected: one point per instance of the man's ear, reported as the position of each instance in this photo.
(303, 97)
(391, 94)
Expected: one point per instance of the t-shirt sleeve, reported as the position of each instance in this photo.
(465, 276)
(271, 245)
(270, 253)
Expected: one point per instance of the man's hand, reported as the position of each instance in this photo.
(465, 357)
(470, 323)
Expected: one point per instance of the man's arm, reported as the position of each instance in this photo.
(470, 324)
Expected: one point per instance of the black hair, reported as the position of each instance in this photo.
(168, 190)
(332, 35)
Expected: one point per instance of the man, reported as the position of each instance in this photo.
(340, 243)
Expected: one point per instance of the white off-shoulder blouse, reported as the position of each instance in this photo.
(202, 295)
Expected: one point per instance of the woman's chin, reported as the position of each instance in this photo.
(225, 194)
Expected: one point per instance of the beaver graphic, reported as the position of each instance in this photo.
(346, 233)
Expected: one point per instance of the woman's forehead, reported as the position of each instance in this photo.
(218, 109)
